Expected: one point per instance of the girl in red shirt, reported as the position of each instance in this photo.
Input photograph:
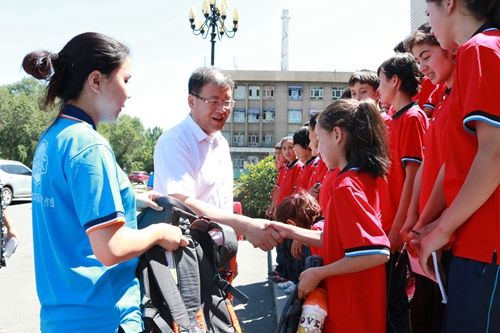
(471, 176)
(352, 137)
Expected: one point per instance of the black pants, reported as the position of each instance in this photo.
(398, 317)
(426, 307)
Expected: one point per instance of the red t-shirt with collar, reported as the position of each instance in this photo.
(475, 97)
(288, 180)
(425, 91)
(406, 131)
(304, 177)
(319, 172)
(356, 301)
(435, 142)
(326, 188)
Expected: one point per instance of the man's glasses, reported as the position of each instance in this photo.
(215, 103)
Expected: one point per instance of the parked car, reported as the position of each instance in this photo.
(16, 180)
(140, 177)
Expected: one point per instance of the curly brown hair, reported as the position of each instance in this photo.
(300, 207)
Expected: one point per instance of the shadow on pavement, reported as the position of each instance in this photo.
(251, 316)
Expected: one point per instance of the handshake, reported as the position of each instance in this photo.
(266, 234)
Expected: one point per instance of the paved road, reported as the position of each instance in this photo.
(19, 304)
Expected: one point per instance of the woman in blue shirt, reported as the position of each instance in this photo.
(84, 208)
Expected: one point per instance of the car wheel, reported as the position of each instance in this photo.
(6, 196)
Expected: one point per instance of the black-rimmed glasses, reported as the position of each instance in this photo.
(215, 103)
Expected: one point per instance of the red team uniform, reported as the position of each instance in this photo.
(424, 92)
(356, 301)
(319, 171)
(475, 97)
(435, 141)
(406, 131)
(287, 180)
(304, 178)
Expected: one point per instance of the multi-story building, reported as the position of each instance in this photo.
(273, 104)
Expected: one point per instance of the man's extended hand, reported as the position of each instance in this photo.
(262, 235)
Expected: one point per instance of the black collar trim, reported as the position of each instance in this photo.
(403, 110)
(75, 112)
(486, 26)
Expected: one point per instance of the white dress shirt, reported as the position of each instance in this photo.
(187, 161)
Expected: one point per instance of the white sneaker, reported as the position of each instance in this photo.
(10, 247)
(285, 285)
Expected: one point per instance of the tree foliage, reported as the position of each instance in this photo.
(133, 145)
(254, 188)
(22, 119)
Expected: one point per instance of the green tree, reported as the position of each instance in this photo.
(254, 188)
(126, 137)
(146, 156)
(22, 119)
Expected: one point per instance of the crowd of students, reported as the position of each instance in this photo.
(408, 164)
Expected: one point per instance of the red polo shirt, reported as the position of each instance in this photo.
(304, 177)
(475, 97)
(356, 301)
(435, 142)
(288, 179)
(406, 131)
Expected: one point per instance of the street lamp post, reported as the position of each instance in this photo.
(214, 23)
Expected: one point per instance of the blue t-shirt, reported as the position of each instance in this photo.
(78, 187)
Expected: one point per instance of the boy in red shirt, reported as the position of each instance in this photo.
(304, 154)
(398, 83)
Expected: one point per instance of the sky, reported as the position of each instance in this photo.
(324, 35)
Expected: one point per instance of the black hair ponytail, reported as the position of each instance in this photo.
(67, 70)
(366, 147)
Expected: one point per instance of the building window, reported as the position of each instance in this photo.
(253, 139)
(268, 116)
(254, 92)
(337, 92)
(316, 93)
(253, 159)
(239, 115)
(268, 92)
(227, 136)
(268, 140)
(238, 139)
(294, 116)
(239, 92)
(238, 162)
(295, 93)
(253, 115)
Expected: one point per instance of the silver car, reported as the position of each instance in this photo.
(16, 180)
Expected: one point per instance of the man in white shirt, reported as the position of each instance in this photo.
(192, 160)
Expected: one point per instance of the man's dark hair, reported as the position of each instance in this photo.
(205, 75)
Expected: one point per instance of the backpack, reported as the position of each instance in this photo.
(290, 316)
(183, 290)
